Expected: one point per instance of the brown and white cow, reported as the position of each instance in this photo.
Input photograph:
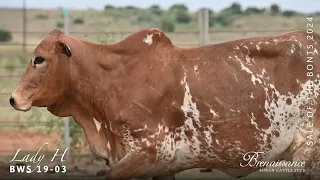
(153, 109)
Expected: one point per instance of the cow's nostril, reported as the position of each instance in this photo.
(12, 102)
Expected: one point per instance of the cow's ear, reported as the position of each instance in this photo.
(62, 48)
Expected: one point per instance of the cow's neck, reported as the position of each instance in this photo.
(95, 77)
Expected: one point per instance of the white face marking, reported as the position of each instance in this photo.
(97, 123)
(148, 40)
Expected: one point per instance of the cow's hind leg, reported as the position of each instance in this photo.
(305, 149)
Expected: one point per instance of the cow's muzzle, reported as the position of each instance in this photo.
(18, 104)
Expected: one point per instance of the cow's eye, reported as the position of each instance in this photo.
(38, 60)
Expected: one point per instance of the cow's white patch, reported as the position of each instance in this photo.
(196, 69)
(293, 48)
(254, 78)
(217, 141)
(214, 113)
(258, 47)
(97, 123)
(208, 137)
(188, 105)
(148, 39)
(232, 110)
(253, 121)
(141, 129)
(285, 117)
(251, 95)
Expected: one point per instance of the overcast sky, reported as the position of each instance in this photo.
(298, 5)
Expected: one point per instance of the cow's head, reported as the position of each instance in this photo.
(47, 75)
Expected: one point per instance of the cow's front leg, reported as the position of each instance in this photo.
(133, 165)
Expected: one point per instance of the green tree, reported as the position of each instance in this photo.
(236, 8)
(289, 13)
(156, 10)
(179, 7)
(107, 7)
(183, 17)
(5, 35)
(275, 9)
(167, 25)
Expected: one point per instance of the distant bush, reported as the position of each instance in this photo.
(236, 8)
(145, 18)
(59, 24)
(183, 17)
(167, 25)
(5, 35)
(253, 10)
(107, 7)
(131, 7)
(78, 21)
(224, 20)
(42, 16)
(289, 13)
(156, 10)
(275, 9)
(178, 7)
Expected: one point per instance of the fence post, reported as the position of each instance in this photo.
(65, 13)
(24, 27)
(203, 20)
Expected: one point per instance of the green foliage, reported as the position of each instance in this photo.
(224, 20)
(56, 124)
(107, 7)
(156, 10)
(235, 8)
(106, 40)
(253, 10)
(42, 16)
(5, 35)
(167, 25)
(131, 7)
(289, 13)
(59, 24)
(10, 64)
(183, 17)
(78, 21)
(275, 9)
(178, 7)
